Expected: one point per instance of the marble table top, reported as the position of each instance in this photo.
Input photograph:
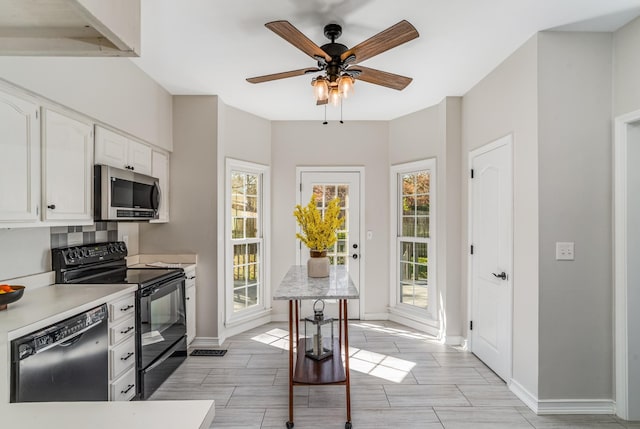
(298, 285)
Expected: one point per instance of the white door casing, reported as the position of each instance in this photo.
(626, 274)
(352, 178)
(490, 273)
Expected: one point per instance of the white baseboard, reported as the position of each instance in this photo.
(529, 399)
(415, 324)
(576, 406)
(376, 316)
(205, 342)
(562, 406)
(454, 340)
(279, 317)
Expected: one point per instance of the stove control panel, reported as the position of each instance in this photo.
(66, 257)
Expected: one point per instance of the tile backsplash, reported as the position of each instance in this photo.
(99, 232)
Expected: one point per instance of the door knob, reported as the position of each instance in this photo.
(51, 206)
(502, 275)
(354, 256)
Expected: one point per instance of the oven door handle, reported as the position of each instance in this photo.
(164, 357)
(150, 291)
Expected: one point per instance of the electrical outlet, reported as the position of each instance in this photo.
(565, 251)
(369, 235)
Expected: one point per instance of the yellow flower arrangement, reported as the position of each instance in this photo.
(318, 232)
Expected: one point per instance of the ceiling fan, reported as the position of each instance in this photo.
(337, 60)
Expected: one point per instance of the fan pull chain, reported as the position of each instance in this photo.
(341, 111)
(325, 115)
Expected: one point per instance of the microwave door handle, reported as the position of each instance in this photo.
(155, 196)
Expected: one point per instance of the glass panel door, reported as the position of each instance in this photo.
(324, 186)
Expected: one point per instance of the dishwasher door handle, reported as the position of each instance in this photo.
(65, 340)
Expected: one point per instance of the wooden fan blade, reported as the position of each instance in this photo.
(283, 75)
(393, 36)
(294, 36)
(378, 77)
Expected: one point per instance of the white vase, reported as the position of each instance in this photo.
(318, 264)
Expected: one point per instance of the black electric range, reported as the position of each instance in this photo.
(160, 305)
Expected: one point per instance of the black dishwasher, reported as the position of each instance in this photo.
(67, 361)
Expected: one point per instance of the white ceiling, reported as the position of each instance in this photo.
(212, 46)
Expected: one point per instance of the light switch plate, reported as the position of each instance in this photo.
(564, 251)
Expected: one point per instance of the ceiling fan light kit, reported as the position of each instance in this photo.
(336, 60)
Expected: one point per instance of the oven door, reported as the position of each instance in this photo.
(161, 319)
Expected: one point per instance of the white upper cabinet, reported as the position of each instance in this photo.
(19, 161)
(67, 163)
(140, 159)
(119, 151)
(160, 170)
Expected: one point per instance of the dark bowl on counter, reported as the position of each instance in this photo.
(9, 297)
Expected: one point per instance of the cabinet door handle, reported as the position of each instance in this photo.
(126, 331)
(51, 206)
(127, 356)
(127, 308)
(129, 387)
(188, 298)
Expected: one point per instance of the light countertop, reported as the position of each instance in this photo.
(109, 415)
(298, 285)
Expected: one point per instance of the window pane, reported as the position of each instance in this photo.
(252, 184)
(252, 295)
(408, 206)
(408, 226)
(408, 187)
(343, 194)
(422, 204)
(330, 193)
(406, 251)
(406, 272)
(421, 253)
(422, 226)
(251, 228)
(422, 182)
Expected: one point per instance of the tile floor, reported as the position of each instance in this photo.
(399, 378)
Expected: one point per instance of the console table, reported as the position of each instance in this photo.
(296, 286)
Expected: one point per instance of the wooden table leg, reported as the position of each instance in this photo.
(290, 422)
(346, 361)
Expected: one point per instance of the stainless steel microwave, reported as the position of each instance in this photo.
(124, 195)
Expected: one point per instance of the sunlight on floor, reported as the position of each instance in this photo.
(364, 361)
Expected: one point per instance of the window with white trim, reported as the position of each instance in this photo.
(245, 232)
(413, 282)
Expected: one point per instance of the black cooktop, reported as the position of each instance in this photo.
(145, 276)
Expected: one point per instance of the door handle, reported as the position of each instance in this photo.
(502, 275)
(354, 256)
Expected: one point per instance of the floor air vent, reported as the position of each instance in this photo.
(204, 352)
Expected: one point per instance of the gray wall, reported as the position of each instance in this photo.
(505, 102)
(354, 143)
(193, 201)
(574, 110)
(626, 69)
(112, 90)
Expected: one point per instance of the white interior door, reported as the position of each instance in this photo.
(326, 185)
(491, 261)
